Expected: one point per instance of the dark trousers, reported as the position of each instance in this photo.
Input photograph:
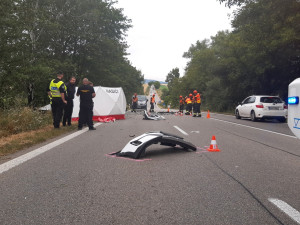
(181, 108)
(197, 107)
(134, 106)
(152, 107)
(57, 107)
(85, 115)
(68, 110)
(189, 108)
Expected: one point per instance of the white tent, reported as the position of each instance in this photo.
(109, 102)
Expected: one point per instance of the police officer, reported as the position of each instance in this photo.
(86, 93)
(57, 93)
(68, 109)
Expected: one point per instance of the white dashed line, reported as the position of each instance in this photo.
(17, 161)
(182, 131)
(286, 208)
(254, 128)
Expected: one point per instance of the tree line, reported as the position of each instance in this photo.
(82, 38)
(261, 55)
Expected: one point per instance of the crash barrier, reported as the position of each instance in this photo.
(137, 146)
(213, 145)
(149, 116)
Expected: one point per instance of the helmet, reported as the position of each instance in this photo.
(180, 96)
(190, 95)
(153, 94)
(195, 92)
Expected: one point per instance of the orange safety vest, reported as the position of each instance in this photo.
(135, 99)
(197, 98)
(188, 101)
(181, 102)
(152, 99)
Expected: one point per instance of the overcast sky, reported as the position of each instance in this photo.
(164, 29)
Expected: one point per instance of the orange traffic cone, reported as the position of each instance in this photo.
(207, 115)
(213, 145)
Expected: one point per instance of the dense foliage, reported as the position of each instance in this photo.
(82, 38)
(260, 56)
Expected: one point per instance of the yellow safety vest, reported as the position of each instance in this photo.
(54, 88)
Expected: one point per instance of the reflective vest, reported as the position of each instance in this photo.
(197, 98)
(188, 101)
(152, 99)
(135, 99)
(54, 88)
(181, 102)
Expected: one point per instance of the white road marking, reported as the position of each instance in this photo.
(182, 131)
(289, 210)
(21, 159)
(254, 128)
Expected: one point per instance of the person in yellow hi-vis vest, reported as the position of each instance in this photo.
(57, 94)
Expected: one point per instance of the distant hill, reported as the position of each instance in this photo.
(146, 81)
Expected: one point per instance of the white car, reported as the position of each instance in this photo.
(262, 107)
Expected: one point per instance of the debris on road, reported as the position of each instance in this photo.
(137, 146)
(152, 116)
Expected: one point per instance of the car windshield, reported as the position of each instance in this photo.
(142, 98)
(270, 100)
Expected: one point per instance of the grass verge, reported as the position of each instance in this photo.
(23, 127)
(16, 142)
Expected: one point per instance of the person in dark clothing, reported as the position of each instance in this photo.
(57, 93)
(86, 93)
(68, 109)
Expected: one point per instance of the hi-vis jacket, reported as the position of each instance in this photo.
(181, 101)
(54, 88)
(135, 99)
(188, 101)
(197, 98)
(152, 99)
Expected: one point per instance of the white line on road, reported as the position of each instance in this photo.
(21, 159)
(254, 128)
(289, 210)
(182, 131)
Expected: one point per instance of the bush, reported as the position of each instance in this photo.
(17, 120)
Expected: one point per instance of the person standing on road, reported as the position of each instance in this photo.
(152, 102)
(86, 93)
(68, 109)
(134, 103)
(197, 104)
(189, 105)
(57, 94)
(181, 104)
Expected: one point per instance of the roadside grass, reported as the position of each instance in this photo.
(23, 127)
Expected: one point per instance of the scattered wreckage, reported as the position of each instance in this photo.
(137, 146)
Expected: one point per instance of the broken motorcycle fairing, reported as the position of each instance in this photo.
(152, 117)
(137, 146)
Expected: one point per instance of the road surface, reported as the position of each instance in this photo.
(254, 179)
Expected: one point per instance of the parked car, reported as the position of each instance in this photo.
(262, 107)
(142, 102)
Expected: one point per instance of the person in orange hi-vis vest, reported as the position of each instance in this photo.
(189, 104)
(181, 104)
(134, 103)
(152, 102)
(197, 104)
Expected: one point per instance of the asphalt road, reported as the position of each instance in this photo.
(254, 179)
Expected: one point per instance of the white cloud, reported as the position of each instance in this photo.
(164, 29)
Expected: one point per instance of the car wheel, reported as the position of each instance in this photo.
(252, 116)
(237, 114)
